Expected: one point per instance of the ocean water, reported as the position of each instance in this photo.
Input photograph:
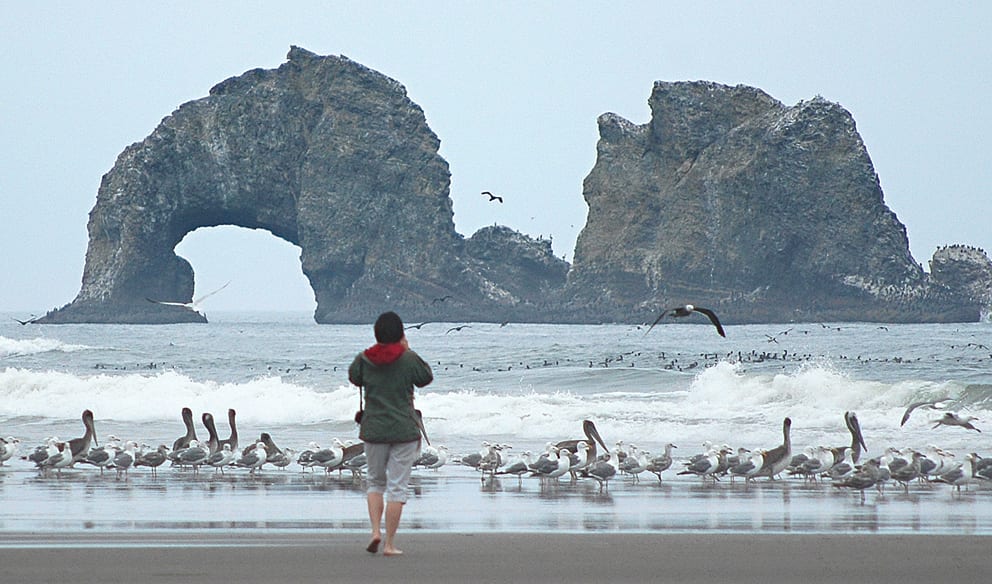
(519, 384)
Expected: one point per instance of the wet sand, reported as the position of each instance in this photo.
(295, 527)
(497, 557)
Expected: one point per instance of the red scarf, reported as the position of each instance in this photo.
(384, 353)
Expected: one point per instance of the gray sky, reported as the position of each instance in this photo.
(512, 89)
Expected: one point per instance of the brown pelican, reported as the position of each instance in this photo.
(190, 435)
(272, 451)
(686, 310)
(857, 440)
(233, 440)
(80, 447)
(212, 441)
(592, 437)
(776, 459)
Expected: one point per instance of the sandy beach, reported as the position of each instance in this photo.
(502, 557)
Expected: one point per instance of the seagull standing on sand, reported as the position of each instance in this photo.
(194, 305)
(686, 310)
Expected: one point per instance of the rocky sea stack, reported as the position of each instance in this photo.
(328, 155)
(729, 199)
(726, 198)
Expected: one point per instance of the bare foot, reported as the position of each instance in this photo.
(392, 552)
(373, 546)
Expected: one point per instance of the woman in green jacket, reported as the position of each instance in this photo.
(390, 426)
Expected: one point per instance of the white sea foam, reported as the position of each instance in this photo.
(138, 398)
(33, 346)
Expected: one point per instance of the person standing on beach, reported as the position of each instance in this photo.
(390, 426)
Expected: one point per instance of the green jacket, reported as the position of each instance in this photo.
(389, 411)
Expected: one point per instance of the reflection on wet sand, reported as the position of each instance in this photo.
(456, 501)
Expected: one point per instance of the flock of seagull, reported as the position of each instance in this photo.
(578, 458)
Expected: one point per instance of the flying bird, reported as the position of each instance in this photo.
(932, 404)
(493, 197)
(31, 320)
(415, 326)
(441, 298)
(457, 328)
(194, 305)
(686, 311)
(952, 419)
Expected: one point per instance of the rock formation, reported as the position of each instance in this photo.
(322, 152)
(727, 198)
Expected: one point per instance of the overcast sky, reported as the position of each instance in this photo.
(512, 89)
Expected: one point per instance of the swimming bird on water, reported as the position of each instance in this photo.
(681, 311)
(952, 419)
(932, 404)
(194, 305)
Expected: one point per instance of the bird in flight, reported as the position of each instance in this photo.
(932, 404)
(457, 328)
(194, 305)
(952, 419)
(24, 322)
(686, 311)
(493, 197)
(416, 326)
(441, 298)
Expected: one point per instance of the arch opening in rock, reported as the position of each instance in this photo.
(264, 270)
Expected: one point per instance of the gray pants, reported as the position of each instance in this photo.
(389, 467)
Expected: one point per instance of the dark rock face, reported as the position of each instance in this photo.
(726, 199)
(321, 152)
(731, 200)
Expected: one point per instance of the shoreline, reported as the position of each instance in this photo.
(507, 557)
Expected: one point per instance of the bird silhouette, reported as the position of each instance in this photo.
(457, 328)
(493, 197)
(194, 305)
(686, 310)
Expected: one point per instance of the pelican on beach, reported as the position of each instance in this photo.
(212, 440)
(592, 437)
(190, 435)
(233, 440)
(80, 447)
(857, 439)
(778, 458)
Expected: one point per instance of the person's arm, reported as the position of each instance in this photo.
(355, 372)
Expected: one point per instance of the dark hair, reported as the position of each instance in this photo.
(388, 328)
